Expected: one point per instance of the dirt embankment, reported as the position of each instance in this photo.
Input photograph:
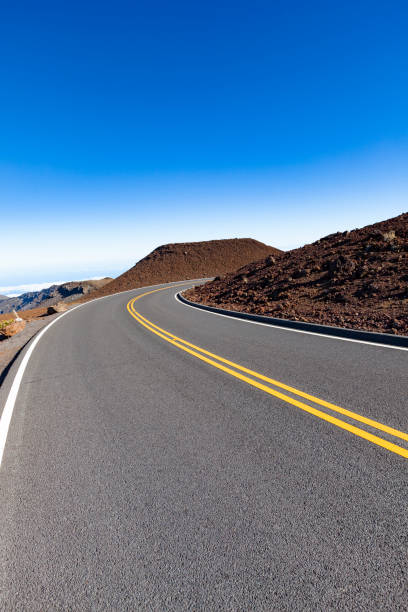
(27, 315)
(188, 260)
(356, 279)
(10, 327)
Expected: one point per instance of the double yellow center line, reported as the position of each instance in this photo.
(242, 373)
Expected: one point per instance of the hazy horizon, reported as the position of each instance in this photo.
(17, 290)
(100, 272)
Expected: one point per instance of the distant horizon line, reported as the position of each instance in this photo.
(18, 290)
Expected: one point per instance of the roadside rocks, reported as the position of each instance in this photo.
(12, 329)
(60, 307)
(356, 279)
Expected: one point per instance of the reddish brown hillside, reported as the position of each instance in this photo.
(187, 260)
(356, 279)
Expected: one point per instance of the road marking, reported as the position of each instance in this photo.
(276, 383)
(296, 331)
(209, 358)
(12, 396)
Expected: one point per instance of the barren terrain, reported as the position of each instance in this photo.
(188, 260)
(356, 279)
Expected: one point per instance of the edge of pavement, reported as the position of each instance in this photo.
(11, 384)
(342, 333)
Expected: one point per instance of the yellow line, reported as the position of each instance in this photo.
(316, 400)
(172, 339)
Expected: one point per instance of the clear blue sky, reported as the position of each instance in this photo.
(128, 124)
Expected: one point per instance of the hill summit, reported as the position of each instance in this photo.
(356, 279)
(189, 260)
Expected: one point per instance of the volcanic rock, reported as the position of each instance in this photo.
(12, 329)
(60, 307)
(356, 279)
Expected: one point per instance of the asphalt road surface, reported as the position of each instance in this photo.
(142, 473)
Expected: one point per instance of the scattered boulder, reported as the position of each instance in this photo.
(12, 329)
(60, 307)
(389, 236)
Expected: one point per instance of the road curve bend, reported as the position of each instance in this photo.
(161, 457)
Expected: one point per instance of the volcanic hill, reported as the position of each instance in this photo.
(356, 279)
(189, 260)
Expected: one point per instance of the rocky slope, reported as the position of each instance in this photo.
(66, 292)
(356, 279)
(187, 260)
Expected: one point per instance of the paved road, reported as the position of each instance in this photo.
(137, 476)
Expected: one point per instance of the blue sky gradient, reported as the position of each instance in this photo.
(125, 125)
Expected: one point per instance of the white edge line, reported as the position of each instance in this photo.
(12, 396)
(290, 329)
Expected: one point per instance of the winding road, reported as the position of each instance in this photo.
(161, 457)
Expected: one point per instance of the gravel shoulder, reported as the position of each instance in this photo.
(10, 347)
